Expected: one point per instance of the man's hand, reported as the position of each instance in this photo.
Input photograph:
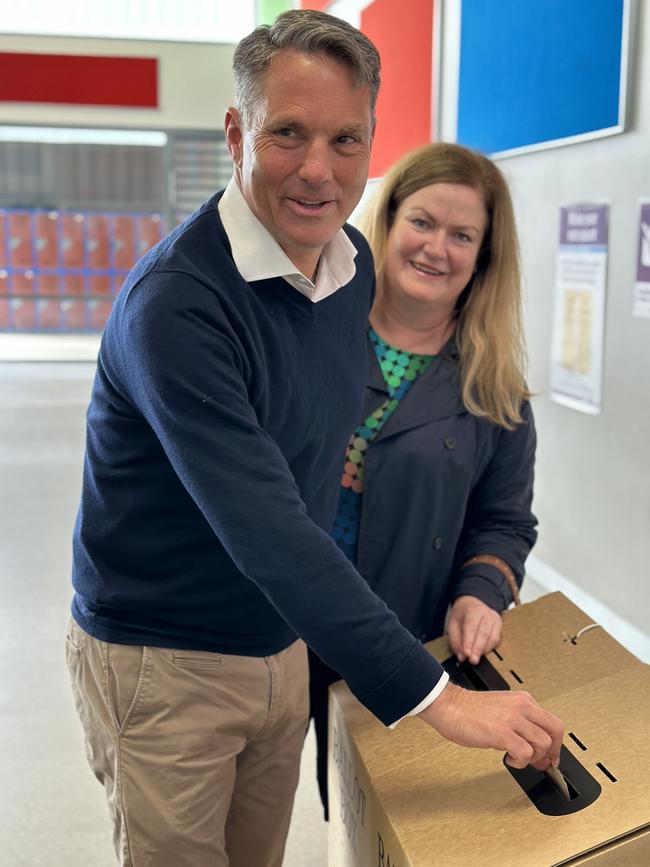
(511, 722)
(473, 629)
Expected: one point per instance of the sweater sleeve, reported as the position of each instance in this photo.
(499, 520)
(181, 367)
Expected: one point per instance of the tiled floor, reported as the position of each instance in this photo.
(52, 811)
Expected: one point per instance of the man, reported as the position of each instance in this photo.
(230, 374)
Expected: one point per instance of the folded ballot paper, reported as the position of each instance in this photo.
(409, 798)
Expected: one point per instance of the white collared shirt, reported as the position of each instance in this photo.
(258, 256)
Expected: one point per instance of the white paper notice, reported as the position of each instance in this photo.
(579, 307)
(642, 285)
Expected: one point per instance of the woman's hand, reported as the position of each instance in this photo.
(473, 628)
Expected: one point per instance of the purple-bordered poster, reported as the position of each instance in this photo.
(579, 308)
(642, 284)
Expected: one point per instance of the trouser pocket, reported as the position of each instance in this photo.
(126, 680)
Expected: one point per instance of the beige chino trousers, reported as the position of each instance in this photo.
(199, 753)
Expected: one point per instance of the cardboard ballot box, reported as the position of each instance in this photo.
(409, 798)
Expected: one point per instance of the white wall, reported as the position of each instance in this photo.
(593, 472)
(194, 84)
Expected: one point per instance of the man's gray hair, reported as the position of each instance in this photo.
(306, 31)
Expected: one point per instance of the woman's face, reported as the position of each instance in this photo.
(433, 244)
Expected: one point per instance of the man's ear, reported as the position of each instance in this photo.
(234, 135)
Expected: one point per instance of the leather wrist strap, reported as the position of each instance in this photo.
(503, 568)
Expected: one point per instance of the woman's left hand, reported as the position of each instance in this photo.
(473, 628)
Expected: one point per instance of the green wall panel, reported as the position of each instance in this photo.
(268, 10)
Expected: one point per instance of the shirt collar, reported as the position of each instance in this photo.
(258, 256)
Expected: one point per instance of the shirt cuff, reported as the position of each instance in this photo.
(426, 701)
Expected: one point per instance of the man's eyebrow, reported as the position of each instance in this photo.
(433, 218)
(284, 120)
(281, 121)
(356, 128)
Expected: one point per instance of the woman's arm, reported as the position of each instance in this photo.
(498, 533)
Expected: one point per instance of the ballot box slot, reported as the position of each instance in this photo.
(516, 676)
(577, 741)
(607, 773)
(497, 654)
(573, 792)
(482, 676)
(583, 788)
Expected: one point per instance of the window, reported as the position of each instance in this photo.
(186, 21)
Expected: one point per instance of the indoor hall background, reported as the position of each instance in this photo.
(592, 474)
(592, 492)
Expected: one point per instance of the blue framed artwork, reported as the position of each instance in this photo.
(541, 73)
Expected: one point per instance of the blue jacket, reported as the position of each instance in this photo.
(441, 486)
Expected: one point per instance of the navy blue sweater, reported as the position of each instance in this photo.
(215, 439)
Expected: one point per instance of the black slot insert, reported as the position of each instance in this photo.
(482, 676)
(584, 789)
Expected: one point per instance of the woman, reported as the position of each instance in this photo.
(435, 503)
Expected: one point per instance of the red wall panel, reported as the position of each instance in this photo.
(22, 283)
(47, 284)
(48, 314)
(46, 226)
(4, 222)
(98, 241)
(73, 314)
(123, 241)
(149, 233)
(73, 284)
(98, 313)
(20, 239)
(23, 313)
(100, 284)
(79, 79)
(405, 105)
(73, 240)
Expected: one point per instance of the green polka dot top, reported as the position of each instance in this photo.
(400, 370)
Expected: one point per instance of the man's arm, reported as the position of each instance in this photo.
(181, 364)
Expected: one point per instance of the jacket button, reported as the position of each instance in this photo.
(450, 443)
(437, 543)
(423, 637)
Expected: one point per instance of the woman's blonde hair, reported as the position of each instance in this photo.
(489, 332)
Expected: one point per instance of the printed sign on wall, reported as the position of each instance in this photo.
(579, 308)
(642, 285)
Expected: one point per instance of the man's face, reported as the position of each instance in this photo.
(303, 164)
